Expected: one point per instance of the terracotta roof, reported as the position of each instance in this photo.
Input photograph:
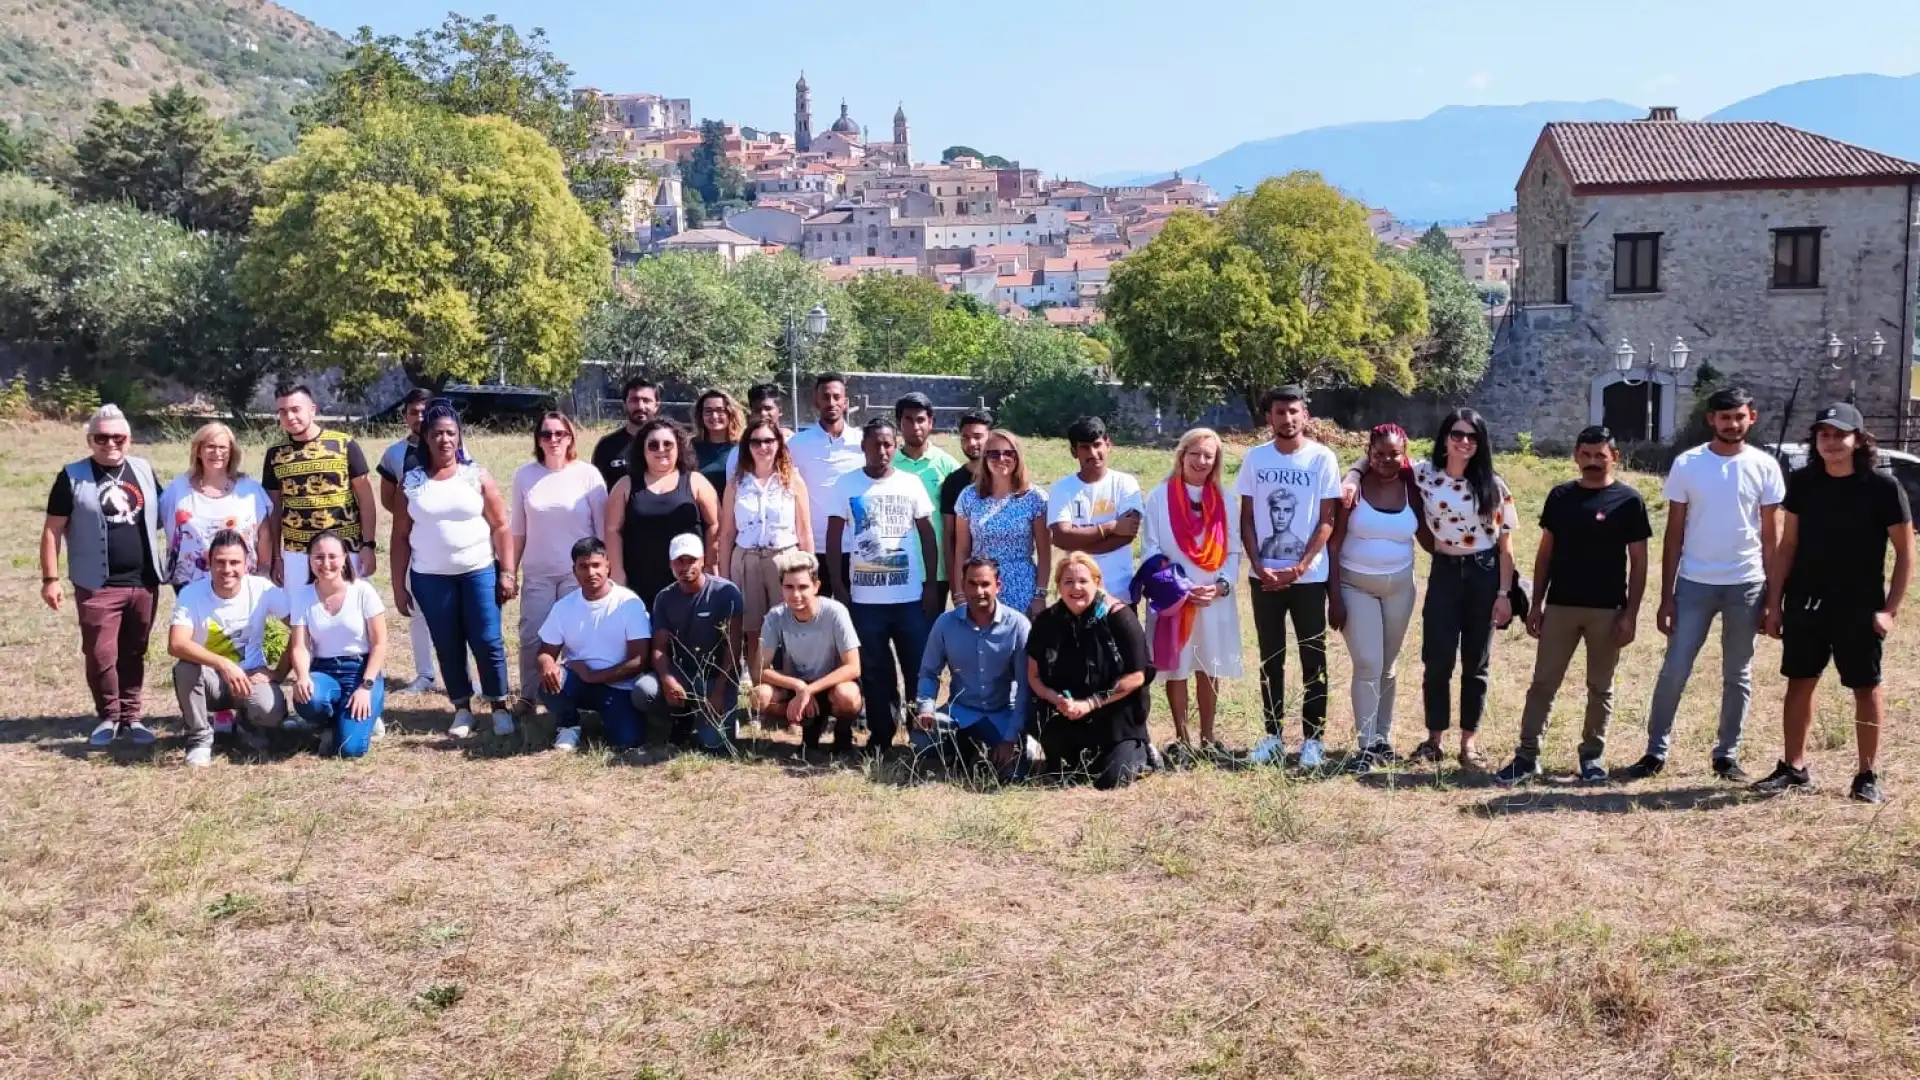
(1703, 153)
(1059, 316)
(1059, 266)
(1022, 280)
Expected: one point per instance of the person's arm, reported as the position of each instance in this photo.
(1037, 687)
(181, 646)
(708, 501)
(729, 532)
(1022, 692)
(639, 659)
(663, 666)
(369, 521)
(932, 662)
(802, 514)
(1626, 624)
(360, 704)
(1092, 539)
(949, 544)
(1902, 537)
(1322, 532)
(962, 551)
(1782, 562)
(1336, 604)
(494, 507)
(836, 526)
(51, 533)
(517, 520)
(1250, 543)
(929, 563)
(300, 658)
(1131, 641)
(270, 530)
(1769, 535)
(400, 549)
(1670, 543)
(389, 493)
(848, 671)
(597, 506)
(616, 529)
(1542, 567)
(1502, 600)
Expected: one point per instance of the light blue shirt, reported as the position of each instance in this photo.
(989, 664)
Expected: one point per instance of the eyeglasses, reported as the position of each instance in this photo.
(109, 440)
(757, 443)
(652, 446)
(714, 410)
(1001, 455)
(1463, 436)
(555, 433)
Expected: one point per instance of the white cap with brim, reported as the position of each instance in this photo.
(686, 546)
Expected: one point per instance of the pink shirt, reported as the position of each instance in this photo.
(555, 509)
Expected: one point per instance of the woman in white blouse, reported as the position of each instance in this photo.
(337, 649)
(763, 514)
(558, 500)
(212, 495)
(1190, 521)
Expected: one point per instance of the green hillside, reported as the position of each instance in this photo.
(252, 59)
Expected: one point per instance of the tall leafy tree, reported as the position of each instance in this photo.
(786, 286)
(720, 183)
(683, 318)
(896, 317)
(1454, 354)
(448, 242)
(170, 156)
(1435, 242)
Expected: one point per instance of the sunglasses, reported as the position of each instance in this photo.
(109, 440)
(714, 410)
(556, 433)
(1463, 436)
(1000, 455)
(654, 446)
(756, 443)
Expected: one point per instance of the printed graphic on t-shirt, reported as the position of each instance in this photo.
(1283, 506)
(120, 499)
(881, 523)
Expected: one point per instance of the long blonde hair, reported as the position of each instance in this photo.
(1194, 435)
(983, 485)
(206, 434)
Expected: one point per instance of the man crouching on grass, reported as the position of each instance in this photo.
(1830, 565)
(817, 673)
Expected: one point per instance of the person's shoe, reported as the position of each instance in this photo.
(1312, 754)
(1179, 755)
(200, 756)
(1384, 754)
(325, 748)
(1729, 770)
(379, 727)
(1427, 751)
(1646, 768)
(462, 725)
(1271, 750)
(1361, 763)
(1516, 771)
(1216, 751)
(103, 733)
(1866, 788)
(422, 684)
(223, 722)
(1592, 772)
(251, 737)
(567, 740)
(294, 722)
(1035, 753)
(1784, 777)
(502, 723)
(141, 734)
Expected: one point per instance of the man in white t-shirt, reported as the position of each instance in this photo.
(878, 515)
(1723, 521)
(596, 647)
(823, 454)
(1097, 510)
(218, 638)
(1289, 496)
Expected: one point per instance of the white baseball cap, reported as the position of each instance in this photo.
(686, 546)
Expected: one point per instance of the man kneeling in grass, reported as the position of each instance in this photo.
(218, 636)
(817, 673)
(595, 649)
(984, 647)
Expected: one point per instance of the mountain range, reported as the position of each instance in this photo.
(1461, 161)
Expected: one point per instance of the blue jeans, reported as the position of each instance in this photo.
(620, 709)
(463, 613)
(698, 720)
(335, 678)
(885, 630)
(1694, 606)
(968, 737)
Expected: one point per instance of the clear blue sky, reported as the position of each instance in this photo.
(1088, 88)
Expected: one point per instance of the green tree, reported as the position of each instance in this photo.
(953, 152)
(682, 317)
(787, 286)
(1040, 379)
(170, 156)
(961, 339)
(377, 76)
(14, 152)
(1435, 242)
(895, 315)
(447, 241)
(1454, 353)
(720, 183)
(1283, 286)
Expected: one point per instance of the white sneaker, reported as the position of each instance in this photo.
(423, 684)
(502, 723)
(380, 727)
(568, 739)
(200, 756)
(1312, 754)
(462, 724)
(1269, 751)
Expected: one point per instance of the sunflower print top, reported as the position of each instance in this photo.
(1453, 515)
(314, 481)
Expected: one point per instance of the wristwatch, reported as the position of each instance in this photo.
(1224, 585)
(366, 684)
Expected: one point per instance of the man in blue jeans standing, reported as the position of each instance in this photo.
(875, 518)
(984, 647)
(1723, 521)
(595, 649)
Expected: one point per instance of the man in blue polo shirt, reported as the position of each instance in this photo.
(983, 646)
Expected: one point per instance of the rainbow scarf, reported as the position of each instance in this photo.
(1202, 536)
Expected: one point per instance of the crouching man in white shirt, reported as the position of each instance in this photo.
(218, 638)
(595, 648)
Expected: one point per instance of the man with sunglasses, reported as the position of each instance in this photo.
(105, 509)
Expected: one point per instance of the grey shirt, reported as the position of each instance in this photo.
(698, 621)
(397, 460)
(808, 650)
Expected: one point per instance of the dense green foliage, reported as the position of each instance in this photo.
(786, 286)
(683, 317)
(170, 157)
(1459, 342)
(719, 183)
(991, 161)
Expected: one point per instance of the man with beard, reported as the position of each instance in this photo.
(823, 454)
(975, 425)
(1590, 574)
(697, 648)
(218, 639)
(1723, 520)
(318, 482)
(982, 649)
(641, 398)
(596, 649)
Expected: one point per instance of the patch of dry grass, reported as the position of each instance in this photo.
(428, 912)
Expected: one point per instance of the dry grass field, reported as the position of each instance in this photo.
(446, 911)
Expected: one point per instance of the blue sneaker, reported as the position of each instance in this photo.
(103, 733)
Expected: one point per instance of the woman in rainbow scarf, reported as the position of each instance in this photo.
(1188, 521)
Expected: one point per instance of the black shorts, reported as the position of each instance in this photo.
(1811, 634)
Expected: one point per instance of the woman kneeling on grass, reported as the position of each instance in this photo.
(338, 649)
(1087, 663)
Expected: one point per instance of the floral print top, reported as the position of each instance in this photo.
(1452, 514)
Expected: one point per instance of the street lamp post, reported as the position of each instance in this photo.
(1849, 352)
(816, 328)
(1623, 356)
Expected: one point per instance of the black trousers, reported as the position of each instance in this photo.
(1306, 605)
(826, 579)
(1457, 620)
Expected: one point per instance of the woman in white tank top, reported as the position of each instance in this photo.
(1371, 598)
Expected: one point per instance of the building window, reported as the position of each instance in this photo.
(1559, 273)
(1636, 262)
(1796, 258)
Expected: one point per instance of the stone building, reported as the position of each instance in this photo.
(1750, 241)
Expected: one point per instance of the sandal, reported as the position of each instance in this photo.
(1472, 758)
(1427, 751)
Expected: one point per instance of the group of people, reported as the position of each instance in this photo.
(835, 577)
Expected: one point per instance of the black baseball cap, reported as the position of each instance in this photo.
(1840, 416)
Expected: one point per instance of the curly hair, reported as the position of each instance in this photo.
(683, 458)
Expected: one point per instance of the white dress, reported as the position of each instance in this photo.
(1215, 645)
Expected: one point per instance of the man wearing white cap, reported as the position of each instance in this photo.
(697, 647)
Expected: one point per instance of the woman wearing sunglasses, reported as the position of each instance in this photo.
(763, 515)
(558, 500)
(1004, 516)
(660, 498)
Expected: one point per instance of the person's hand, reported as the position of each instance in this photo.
(1535, 620)
(360, 705)
(1336, 610)
(552, 678)
(676, 694)
(584, 672)
(1771, 622)
(924, 721)
(1349, 492)
(1663, 618)
(51, 594)
(277, 572)
(1075, 708)
(1128, 525)
(1273, 580)
(1883, 623)
(798, 706)
(1202, 595)
(369, 562)
(239, 685)
(1502, 610)
(302, 689)
(1626, 625)
(1037, 607)
(507, 587)
(402, 599)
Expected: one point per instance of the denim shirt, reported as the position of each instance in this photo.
(989, 665)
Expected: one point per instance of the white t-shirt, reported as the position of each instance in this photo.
(450, 535)
(191, 520)
(1073, 501)
(344, 633)
(596, 632)
(233, 627)
(822, 461)
(1723, 496)
(1286, 490)
(881, 535)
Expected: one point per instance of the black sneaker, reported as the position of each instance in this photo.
(1729, 770)
(1361, 763)
(1385, 754)
(1866, 788)
(1785, 778)
(1646, 768)
(1179, 755)
(1592, 772)
(1515, 771)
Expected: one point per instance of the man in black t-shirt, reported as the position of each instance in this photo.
(1588, 577)
(1828, 598)
(640, 396)
(974, 426)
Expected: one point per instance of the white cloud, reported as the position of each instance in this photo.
(1480, 80)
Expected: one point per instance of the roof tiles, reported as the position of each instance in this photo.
(1706, 153)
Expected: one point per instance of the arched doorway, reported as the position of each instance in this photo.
(1622, 406)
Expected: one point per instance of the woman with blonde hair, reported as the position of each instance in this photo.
(1190, 521)
(213, 495)
(1004, 516)
(1088, 668)
(763, 515)
(718, 421)
(558, 500)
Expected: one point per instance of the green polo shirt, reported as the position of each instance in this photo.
(931, 468)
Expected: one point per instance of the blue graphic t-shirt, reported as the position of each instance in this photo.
(881, 535)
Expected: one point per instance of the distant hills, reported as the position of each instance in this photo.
(252, 59)
(1461, 162)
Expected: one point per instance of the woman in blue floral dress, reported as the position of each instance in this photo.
(1004, 516)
